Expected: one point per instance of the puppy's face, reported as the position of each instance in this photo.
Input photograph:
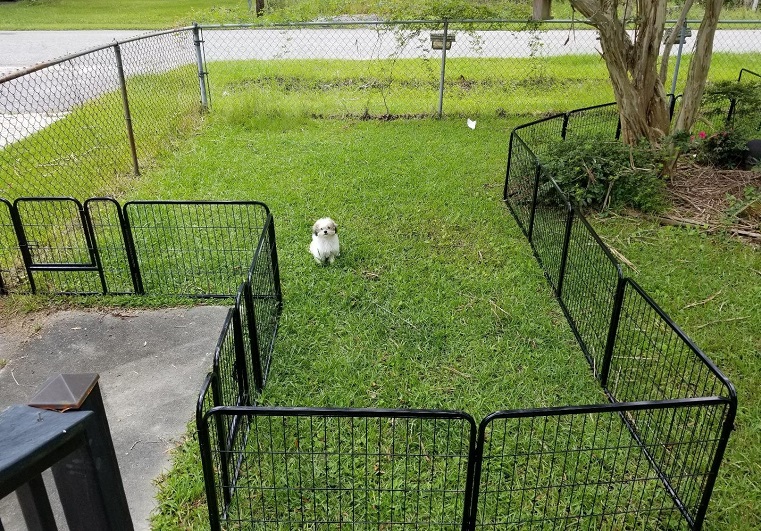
(324, 227)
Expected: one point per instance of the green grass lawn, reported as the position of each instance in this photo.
(436, 300)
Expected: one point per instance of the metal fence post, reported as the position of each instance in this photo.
(564, 254)
(443, 67)
(253, 335)
(615, 317)
(537, 176)
(125, 102)
(682, 36)
(275, 264)
(197, 43)
(563, 132)
(241, 369)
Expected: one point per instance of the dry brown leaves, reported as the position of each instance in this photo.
(706, 196)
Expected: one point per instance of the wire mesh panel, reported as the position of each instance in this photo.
(652, 359)
(57, 245)
(542, 134)
(229, 368)
(580, 467)
(225, 363)
(107, 223)
(199, 248)
(12, 272)
(62, 128)
(552, 219)
(162, 80)
(590, 281)
(328, 468)
(600, 121)
(264, 300)
(522, 173)
(250, 344)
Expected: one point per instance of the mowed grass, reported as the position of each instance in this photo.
(711, 287)
(433, 271)
(436, 300)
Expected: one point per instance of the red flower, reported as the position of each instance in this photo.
(702, 135)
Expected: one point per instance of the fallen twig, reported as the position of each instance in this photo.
(721, 321)
(621, 257)
(709, 299)
(681, 222)
(452, 369)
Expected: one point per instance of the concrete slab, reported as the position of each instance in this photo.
(151, 366)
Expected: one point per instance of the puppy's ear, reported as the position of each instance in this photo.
(315, 229)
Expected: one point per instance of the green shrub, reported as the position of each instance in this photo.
(603, 174)
(746, 97)
(724, 149)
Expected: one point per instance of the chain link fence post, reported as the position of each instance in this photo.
(198, 45)
(445, 42)
(682, 37)
(125, 102)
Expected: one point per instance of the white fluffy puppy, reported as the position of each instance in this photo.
(324, 246)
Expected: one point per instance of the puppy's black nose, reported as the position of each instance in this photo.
(325, 231)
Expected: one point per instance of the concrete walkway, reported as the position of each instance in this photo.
(151, 366)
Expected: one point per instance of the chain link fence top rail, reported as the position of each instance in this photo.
(66, 127)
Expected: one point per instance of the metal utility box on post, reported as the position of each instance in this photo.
(442, 41)
(63, 428)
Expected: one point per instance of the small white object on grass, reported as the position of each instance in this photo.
(471, 123)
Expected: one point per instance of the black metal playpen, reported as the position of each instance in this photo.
(647, 459)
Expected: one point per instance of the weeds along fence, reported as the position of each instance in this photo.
(84, 125)
(173, 248)
(647, 459)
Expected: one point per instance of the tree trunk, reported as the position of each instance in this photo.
(698, 72)
(632, 66)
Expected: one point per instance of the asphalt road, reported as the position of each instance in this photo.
(25, 48)
(19, 49)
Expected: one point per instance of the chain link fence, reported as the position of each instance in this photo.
(403, 68)
(83, 124)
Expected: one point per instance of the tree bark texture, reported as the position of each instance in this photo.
(698, 72)
(633, 65)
